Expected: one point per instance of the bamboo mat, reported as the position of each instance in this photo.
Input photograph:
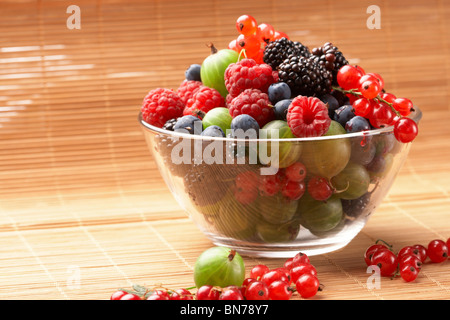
(84, 210)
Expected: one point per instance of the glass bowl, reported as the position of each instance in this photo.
(214, 181)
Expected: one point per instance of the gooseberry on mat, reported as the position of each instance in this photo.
(219, 266)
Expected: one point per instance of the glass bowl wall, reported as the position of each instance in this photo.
(201, 174)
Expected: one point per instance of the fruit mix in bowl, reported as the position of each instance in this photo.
(274, 148)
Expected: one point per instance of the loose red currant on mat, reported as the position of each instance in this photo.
(307, 285)
(274, 275)
(409, 273)
(405, 130)
(370, 251)
(279, 290)
(208, 292)
(422, 252)
(289, 263)
(386, 260)
(231, 293)
(258, 271)
(300, 269)
(437, 251)
(156, 296)
(409, 259)
(123, 295)
(301, 258)
(181, 294)
(257, 290)
(408, 250)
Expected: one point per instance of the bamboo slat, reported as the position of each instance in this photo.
(83, 208)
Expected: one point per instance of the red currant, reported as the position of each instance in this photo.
(208, 292)
(293, 190)
(410, 259)
(307, 285)
(251, 44)
(386, 260)
(279, 290)
(388, 97)
(257, 290)
(405, 130)
(181, 294)
(302, 268)
(246, 25)
(437, 251)
(378, 78)
(296, 172)
(231, 293)
(370, 251)
(156, 296)
(348, 77)
(123, 295)
(422, 252)
(258, 271)
(289, 263)
(369, 87)
(363, 107)
(245, 284)
(265, 32)
(403, 105)
(408, 250)
(408, 273)
(270, 185)
(274, 275)
(319, 188)
(279, 34)
(301, 258)
(382, 115)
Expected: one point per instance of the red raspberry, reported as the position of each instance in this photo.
(254, 103)
(160, 105)
(204, 99)
(308, 117)
(187, 89)
(247, 74)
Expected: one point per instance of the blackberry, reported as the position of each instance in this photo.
(277, 51)
(330, 57)
(170, 124)
(304, 76)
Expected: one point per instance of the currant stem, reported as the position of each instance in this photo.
(387, 244)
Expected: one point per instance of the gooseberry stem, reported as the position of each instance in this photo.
(213, 49)
(231, 255)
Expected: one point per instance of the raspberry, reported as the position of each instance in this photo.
(187, 89)
(308, 117)
(253, 102)
(203, 100)
(247, 74)
(161, 105)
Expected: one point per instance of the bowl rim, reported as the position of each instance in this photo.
(415, 115)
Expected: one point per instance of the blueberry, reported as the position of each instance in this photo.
(344, 114)
(245, 123)
(193, 72)
(213, 131)
(280, 109)
(279, 91)
(356, 124)
(188, 124)
(331, 102)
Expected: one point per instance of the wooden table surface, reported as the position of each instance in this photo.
(83, 209)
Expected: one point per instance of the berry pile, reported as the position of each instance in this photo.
(296, 278)
(408, 261)
(262, 83)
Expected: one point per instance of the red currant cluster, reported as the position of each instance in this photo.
(253, 38)
(369, 100)
(408, 261)
(296, 275)
(288, 181)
